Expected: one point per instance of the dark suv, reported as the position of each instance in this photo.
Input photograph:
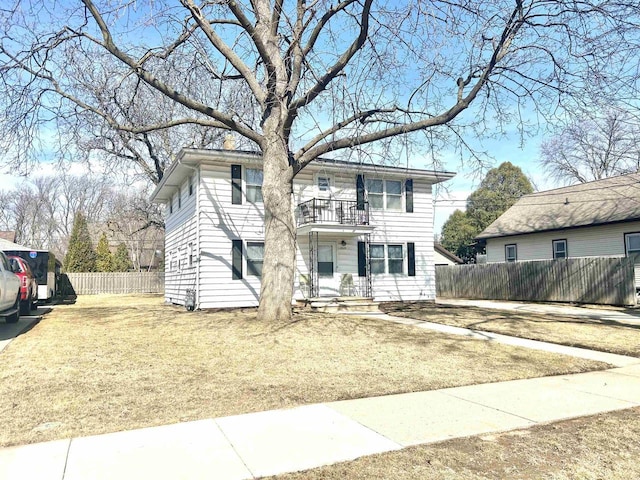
(28, 285)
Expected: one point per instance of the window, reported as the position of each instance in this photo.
(255, 257)
(385, 194)
(171, 205)
(190, 185)
(254, 185)
(559, 249)
(375, 193)
(392, 262)
(190, 255)
(376, 255)
(395, 259)
(324, 184)
(394, 195)
(632, 245)
(179, 199)
(511, 253)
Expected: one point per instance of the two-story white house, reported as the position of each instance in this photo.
(362, 230)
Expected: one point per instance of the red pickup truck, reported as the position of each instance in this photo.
(28, 284)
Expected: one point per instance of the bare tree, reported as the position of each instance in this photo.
(594, 147)
(321, 76)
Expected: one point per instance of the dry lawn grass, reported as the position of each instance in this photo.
(112, 363)
(604, 335)
(605, 446)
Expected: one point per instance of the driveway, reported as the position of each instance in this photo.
(614, 314)
(9, 331)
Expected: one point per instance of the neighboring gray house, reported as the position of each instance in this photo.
(362, 230)
(594, 219)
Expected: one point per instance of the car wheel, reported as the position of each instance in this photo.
(16, 316)
(25, 306)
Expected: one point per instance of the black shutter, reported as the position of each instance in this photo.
(408, 190)
(236, 261)
(411, 259)
(362, 259)
(236, 185)
(360, 192)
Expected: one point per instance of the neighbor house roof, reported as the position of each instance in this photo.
(612, 200)
(188, 159)
(8, 235)
(7, 246)
(446, 253)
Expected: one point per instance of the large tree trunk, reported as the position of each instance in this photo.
(276, 291)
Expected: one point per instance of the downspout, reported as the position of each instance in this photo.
(198, 256)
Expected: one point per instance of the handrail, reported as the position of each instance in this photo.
(325, 210)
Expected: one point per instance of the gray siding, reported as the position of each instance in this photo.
(598, 241)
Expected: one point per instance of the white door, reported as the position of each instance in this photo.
(326, 268)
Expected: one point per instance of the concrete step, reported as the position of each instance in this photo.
(343, 304)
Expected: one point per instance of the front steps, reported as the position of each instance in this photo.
(340, 304)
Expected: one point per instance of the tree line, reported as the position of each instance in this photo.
(43, 212)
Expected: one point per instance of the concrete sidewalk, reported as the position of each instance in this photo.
(629, 316)
(268, 443)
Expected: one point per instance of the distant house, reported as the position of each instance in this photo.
(442, 256)
(595, 219)
(362, 230)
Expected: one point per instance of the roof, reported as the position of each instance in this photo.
(446, 253)
(611, 200)
(7, 246)
(8, 235)
(189, 159)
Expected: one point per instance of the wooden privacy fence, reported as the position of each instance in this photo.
(608, 281)
(118, 282)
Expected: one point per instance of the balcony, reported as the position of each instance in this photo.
(326, 211)
(333, 216)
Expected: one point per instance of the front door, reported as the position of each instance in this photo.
(326, 270)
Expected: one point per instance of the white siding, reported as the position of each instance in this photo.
(180, 244)
(218, 222)
(221, 222)
(599, 241)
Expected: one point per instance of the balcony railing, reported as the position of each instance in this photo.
(342, 212)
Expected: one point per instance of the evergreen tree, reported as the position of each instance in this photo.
(458, 235)
(104, 257)
(121, 259)
(501, 188)
(81, 257)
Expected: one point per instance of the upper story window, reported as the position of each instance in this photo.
(179, 198)
(254, 185)
(511, 253)
(384, 194)
(171, 204)
(191, 185)
(324, 184)
(632, 244)
(559, 249)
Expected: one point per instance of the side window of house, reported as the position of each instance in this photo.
(179, 198)
(254, 185)
(559, 249)
(632, 246)
(171, 205)
(511, 253)
(384, 194)
(255, 256)
(191, 185)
